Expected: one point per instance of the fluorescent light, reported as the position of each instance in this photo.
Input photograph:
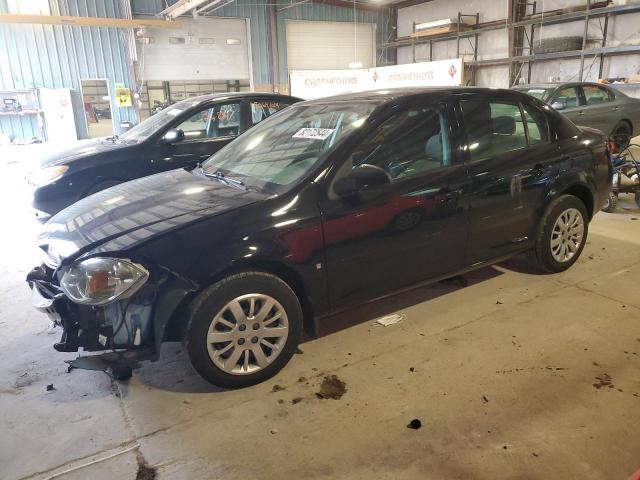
(233, 41)
(355, 65)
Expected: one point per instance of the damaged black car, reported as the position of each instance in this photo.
(326, 205)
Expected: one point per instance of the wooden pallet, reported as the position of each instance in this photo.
(431, 32)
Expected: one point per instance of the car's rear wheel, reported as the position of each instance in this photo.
(243, 329)
(562, 234)
(611, 203)
(621, 135)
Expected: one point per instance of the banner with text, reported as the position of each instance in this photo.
(310, 84)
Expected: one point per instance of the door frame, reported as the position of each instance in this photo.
(111, 105)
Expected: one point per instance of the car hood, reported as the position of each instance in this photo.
(133, 212)
(63, 155)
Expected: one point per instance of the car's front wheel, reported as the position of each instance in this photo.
(243, 329)
(562, 234)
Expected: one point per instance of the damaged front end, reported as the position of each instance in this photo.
(102, 304)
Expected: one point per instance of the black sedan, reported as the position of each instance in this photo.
(592, 105)
(181, 135)
(331, 203)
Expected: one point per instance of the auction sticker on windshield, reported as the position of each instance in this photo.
(314, 133)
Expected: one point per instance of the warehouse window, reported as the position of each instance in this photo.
(33, 7)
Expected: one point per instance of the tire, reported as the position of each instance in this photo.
(612, 203)
(229, 363)
(637, 197)
(548, 257)
(621, 135)
(98, 187)
(121, 373)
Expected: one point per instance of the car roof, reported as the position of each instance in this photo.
(235, 96)
(528, 86)
(383, 95)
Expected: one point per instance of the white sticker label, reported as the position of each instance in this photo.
(174, 111)
(314, 133)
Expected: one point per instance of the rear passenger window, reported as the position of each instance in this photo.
(261, 109)
(568, 97)
(537, 128)
(493, 128)
(595, 95)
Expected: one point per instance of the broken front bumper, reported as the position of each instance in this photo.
(122, 328)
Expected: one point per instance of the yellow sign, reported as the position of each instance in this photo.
(123, 97)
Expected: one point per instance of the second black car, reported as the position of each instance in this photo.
(181, 135)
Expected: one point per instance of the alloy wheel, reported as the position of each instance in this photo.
(567, 235)
(247, 334)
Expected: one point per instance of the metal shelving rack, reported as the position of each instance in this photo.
(534, 20)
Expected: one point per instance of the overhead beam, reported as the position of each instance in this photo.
(86, 21)
(409, 3)
(365, 7)
(180, 8)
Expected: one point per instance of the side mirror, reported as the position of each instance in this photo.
(559, 105)
(174, 135)
(361, 178)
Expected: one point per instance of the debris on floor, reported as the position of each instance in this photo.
(332, 387)
(414, 424)
(296, 400)
(145, 472)
(277, 388)
(604, 381)
(50, 387)
(389, 320)
(274, 431)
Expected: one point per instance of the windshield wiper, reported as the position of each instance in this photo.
(221, 176)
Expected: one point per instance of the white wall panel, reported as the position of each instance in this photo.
(197, 58)
(315, 45)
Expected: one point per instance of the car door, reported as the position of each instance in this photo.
(206, 131)
(601, 110)
(511, 155)
(568, 101)
(411, 229)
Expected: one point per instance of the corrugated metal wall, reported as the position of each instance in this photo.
(51, 56)
(258, 16)
(312, 11)
(33, 56)
(259, 19)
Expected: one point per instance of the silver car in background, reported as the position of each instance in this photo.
(592, 105)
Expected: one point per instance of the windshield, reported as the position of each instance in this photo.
(279, 151)
(539, 93)
(151, 125)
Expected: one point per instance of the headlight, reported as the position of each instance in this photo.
(97, 281)
(47, 175)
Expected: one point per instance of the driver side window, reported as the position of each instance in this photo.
(408, 144)
(213, 122)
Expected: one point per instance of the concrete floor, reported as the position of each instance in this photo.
(516, 376)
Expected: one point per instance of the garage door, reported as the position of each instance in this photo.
(203, 49)
(329, 45)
